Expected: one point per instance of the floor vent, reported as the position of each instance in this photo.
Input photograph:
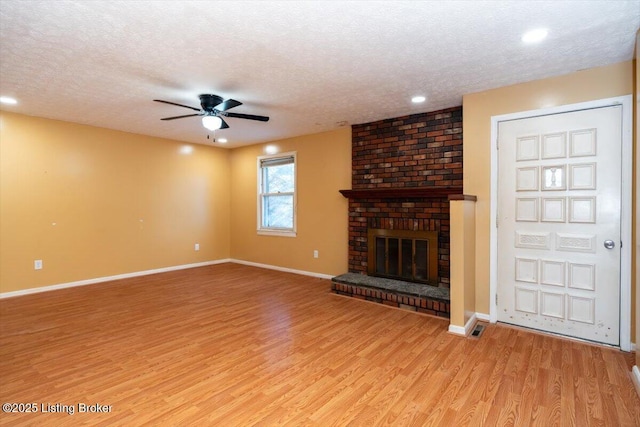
(477, 331)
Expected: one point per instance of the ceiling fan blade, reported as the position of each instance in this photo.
(224, 124)
(228, 104)
(248, 116)
(179, 105)
(181, 117)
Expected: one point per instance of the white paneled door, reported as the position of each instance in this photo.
(559, 193)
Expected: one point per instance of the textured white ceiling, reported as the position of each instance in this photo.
(308, 65)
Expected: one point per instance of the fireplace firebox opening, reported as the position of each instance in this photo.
(403, 255)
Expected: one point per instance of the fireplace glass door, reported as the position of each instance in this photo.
(405, 255)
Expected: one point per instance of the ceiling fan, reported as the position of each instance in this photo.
(213, 109)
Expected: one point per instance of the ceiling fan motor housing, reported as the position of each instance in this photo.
(209, 102)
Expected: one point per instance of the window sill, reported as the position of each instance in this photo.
(280, 233)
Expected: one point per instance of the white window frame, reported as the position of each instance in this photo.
(273, 231)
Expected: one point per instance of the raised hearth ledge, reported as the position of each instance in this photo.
(390, 285)
(401, 193)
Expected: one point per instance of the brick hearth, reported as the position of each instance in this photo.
(395, 293)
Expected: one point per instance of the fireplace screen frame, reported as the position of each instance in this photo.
(402, 237)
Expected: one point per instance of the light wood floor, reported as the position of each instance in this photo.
(231, 345)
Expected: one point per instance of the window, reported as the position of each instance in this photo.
(277, 195)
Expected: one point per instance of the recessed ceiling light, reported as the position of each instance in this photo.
(418, 99)
(8, 100)
(222, 140)
(535, 36)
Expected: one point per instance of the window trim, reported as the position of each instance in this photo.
(272, 231)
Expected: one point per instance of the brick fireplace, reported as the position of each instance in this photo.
(403, 171)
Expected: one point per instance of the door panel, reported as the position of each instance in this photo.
(559, 188)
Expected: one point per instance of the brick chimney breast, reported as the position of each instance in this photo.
(411, 152)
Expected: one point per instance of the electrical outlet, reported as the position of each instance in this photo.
(197, 247)
(37, 264)
(315, 253)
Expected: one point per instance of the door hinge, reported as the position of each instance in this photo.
(497, 144)
(496, 299)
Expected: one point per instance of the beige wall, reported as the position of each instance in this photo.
(93, 202)
(581, 86)
(323, 168)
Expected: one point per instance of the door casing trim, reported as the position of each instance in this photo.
(626, 202)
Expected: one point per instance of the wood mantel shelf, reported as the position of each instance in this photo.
(401, 193)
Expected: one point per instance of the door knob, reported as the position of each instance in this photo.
(609, 244)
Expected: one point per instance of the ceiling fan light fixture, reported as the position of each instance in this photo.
(212, 122)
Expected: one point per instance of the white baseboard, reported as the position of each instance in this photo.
(635, 377)
(108, 278)
(466, 330)
(286, 270)
(457, 330)
(483, 317)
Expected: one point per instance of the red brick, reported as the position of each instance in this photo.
(417, 150)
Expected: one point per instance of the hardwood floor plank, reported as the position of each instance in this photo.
(236, 345)
(507, 414)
